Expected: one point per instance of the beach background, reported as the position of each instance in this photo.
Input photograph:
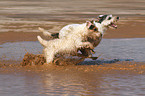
(19, 20)
(119, 71)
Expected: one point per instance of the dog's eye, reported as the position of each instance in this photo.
(109, 18)
(95, 29)
(91, 27)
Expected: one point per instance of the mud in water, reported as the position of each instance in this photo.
(31, 59)
(39, 59)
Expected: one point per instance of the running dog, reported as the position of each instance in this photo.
(102, 22)
(69, 44)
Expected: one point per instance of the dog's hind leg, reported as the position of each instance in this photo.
(49, 54)
(42, 41)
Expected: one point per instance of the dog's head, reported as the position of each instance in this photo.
(92, 28)
(107, 20)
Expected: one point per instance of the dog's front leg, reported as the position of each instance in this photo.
(87, 52)
(85, 48)
(87, 45)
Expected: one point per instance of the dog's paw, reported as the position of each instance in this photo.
(98, 34)
(92, 51)
(89, 45)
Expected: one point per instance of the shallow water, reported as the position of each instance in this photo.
(121, 49)
(16, 50)
(130, 49)
(71, 81)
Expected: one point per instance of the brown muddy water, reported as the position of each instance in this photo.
(119, 71)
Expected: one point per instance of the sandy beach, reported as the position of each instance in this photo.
(120, 71)
(133, 28)
(19, 21)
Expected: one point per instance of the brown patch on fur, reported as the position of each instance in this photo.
(55, 35)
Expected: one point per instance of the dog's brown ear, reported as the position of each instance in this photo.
(88, 24)
(92, 21)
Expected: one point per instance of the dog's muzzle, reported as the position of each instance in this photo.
(112, 24)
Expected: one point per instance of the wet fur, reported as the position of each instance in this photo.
(66, 45)
(102, 23)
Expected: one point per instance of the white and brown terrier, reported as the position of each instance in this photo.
(100, 25)
(69, 44)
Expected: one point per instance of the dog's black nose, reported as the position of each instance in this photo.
(117, 18)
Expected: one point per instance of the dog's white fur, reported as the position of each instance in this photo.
(78, 29)
(68, 44)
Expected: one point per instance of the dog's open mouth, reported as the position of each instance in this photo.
(112, 25)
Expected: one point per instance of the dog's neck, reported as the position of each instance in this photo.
(101, 28)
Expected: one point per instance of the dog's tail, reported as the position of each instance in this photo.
(49, 34)
(42, 42)
(45, 33)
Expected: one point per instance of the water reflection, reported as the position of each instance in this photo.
(72, 83)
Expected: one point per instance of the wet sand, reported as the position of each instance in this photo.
(19, 21)
(133, 28)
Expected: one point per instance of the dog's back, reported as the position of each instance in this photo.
(71, 29)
